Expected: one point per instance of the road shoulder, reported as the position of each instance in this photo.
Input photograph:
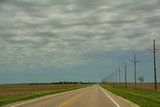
(121, 101)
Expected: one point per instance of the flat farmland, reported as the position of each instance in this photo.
(143, 97)
(144, 86)
(14, 93)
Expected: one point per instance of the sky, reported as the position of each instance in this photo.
(77, 40)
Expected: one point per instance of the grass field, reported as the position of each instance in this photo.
(144, 86)
(14, 93)
(144, 98)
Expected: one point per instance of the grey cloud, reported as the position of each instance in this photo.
(120, 23)
(136, 6)
(58, 32)
(135, 35)
(153, 21)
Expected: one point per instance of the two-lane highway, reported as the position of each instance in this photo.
(93, 96)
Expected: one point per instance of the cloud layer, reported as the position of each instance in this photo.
(67, 33)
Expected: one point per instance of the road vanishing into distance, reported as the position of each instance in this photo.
(93, 96)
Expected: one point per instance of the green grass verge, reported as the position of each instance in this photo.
(11, 99)
(144, 98)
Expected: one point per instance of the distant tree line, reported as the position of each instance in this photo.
(62, 82)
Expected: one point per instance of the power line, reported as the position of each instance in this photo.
(135, 69)
(154, 50)
(119, 75)
(113, 77)
(116, 76)
(125, 74)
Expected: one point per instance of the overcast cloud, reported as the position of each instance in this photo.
(67, 33)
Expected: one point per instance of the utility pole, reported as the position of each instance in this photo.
(125, 74)
(113, 77)
(116, 76)
(107, 80)
(110, 77)
(154, 50)
(119, 75)
(135, 70)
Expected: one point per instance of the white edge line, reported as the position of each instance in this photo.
(110, 97)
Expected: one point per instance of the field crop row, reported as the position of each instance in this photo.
(14, 93)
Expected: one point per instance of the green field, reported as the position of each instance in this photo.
(144, 98)
(15, 93)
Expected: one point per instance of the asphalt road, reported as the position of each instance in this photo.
(93, 96)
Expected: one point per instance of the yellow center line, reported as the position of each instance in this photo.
(71, 99)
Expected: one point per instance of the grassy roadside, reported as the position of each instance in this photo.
(15, 98)
(144, 98)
